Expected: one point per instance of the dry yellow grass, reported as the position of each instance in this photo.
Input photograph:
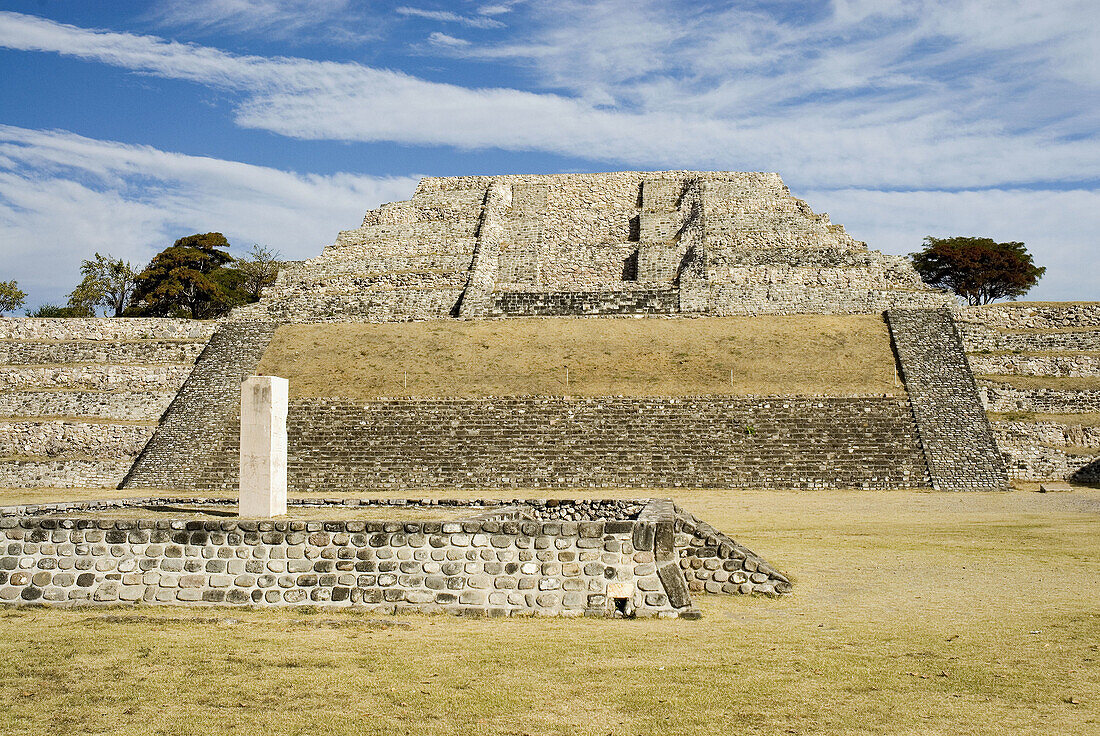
(913, 613)
(835, 355)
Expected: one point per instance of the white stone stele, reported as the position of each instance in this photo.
(263, 447)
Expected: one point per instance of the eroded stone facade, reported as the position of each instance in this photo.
(723, 242)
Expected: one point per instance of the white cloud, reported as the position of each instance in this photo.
(64, 197)
(1058, 227)
(284, 19)
(741, 121)
(787, 121)
(442, 39)
(445, 16)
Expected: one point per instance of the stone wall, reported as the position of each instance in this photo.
(953, 429)
(583, 303)
(978, 338)
(1005, 399)
(79, 398)
(1039, 450)
(104, 329)
(1035, 365)
(481, 565)
(631, 442)
(1025, 316)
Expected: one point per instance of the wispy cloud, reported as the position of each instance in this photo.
(442, 39)
(446, 16)
(64, 196)
(283, 19)
(931, 134)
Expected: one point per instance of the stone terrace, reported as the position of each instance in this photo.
(79, 398)
(1035, 344)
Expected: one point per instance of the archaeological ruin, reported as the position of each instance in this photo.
(645, 331)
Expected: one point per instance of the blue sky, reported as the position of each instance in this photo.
(126, 125)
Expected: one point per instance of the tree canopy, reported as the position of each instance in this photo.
(11, 296)
(108, 282)
(183, 279)
(979, 270)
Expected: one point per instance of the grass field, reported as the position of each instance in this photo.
(913, 613)
(835, 355)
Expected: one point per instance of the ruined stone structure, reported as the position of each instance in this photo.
(155, 404)
(630, 242)
(80, 398)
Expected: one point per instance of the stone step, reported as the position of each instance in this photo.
(124, 405)
(94, 377)
(68, 439)
(100, 351)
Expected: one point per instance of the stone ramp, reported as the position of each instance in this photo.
(204, 414)
(953, 429)
(712, 562)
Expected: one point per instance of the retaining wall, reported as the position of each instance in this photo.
(103, 328)
(979, 338)
(1016, 316)
(1003, 399)
(1036, 365)
(481, 566)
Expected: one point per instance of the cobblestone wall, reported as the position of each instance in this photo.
(953, 429)
(481, 566)
(632, 442)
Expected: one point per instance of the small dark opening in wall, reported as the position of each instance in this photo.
(623, 608)
(634, 234)
(630, 267)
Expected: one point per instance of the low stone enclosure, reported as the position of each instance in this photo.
(606, 558)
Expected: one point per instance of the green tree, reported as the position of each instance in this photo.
(979, 270)
(108, 282)
(11, 296)
(258, 271)
(182, 280)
